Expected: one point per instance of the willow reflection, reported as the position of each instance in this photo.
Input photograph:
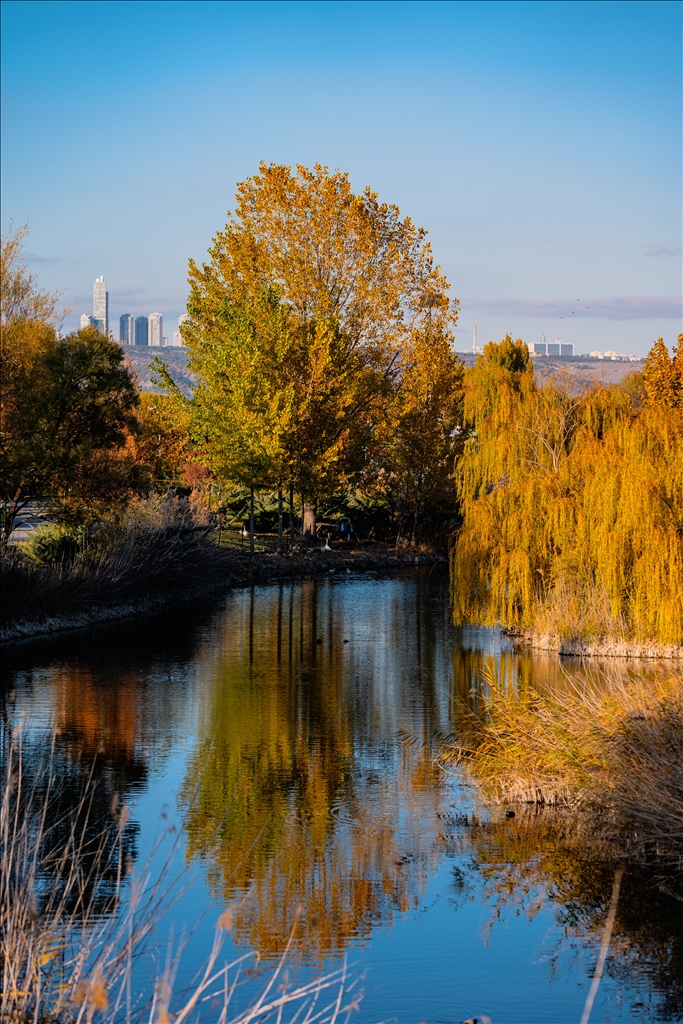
(550, 856)
(298, 791)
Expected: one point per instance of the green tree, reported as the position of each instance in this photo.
(241, 407)
(355, 279)
(511, 355)
(64, 423)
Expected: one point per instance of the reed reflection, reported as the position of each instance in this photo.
(551, 856)
(300, 798)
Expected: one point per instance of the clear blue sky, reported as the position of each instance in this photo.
(539, 143)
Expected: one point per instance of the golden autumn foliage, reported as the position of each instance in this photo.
(663, 376)
(331, 254)
(421, 436)
(161, 440)
(573, 508)
(301, 327)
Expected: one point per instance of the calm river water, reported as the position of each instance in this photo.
(293, 727)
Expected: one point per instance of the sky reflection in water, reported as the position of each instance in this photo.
(304, 767)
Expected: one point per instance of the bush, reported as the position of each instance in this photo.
(52, 544)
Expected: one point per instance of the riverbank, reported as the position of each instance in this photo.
(608, 647)
(219, 568)
(610, 748)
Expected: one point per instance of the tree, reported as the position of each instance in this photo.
(663, 377)
(346, 268)
(160, 442)
(240, 408)
(422, 434)
(511, 355)
(64, 422)
(573, 519)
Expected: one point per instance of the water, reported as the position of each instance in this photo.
(294, 727)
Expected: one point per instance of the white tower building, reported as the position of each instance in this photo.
(100, 305)
(156, 329)
(177, 336)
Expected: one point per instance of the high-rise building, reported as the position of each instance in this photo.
(100, 305)
(177, 336)
(156, 330)
(554, 348)
(141, 330)
(87, 321)
(127, 329)
(539, 348)
(566, 350)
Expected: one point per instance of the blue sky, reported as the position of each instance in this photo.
(539, 144)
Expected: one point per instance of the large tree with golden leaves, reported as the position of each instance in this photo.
(572, 505)
(342, 264)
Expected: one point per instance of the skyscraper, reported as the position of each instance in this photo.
(178, 339)
(127, 329)
(87, 321)
(141, 330)
(100, 305)
(156, 329)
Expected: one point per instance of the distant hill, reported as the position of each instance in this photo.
(175, 359)
(583, 371)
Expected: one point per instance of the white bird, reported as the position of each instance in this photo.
(327, 544)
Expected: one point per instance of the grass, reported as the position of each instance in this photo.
(137, 562)
(76, 919)
(612, 743)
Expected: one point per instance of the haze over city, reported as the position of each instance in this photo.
(539, 144)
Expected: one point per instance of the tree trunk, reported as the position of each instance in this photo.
(251, 522)
(413, 535)
(291, 516)
(280, 516)
(309, 520)
(404, 505)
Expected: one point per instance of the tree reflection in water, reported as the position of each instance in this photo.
(298, 790)
(549, 855)
(313, 781)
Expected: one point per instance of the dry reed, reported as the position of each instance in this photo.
(76, 919)
(142, 561)
(612, 744)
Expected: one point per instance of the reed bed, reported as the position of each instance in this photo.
(77, 920)
(139, 562)
(611, 744)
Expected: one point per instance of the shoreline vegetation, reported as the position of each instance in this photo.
(78, 918)
(149, 570)
(327, 400)
(579, 647)
(609, 750)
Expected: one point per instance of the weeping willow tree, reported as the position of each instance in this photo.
(572, 504)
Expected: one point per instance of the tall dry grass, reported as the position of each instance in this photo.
(612, 742)
(141, 560)
(77, 921)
